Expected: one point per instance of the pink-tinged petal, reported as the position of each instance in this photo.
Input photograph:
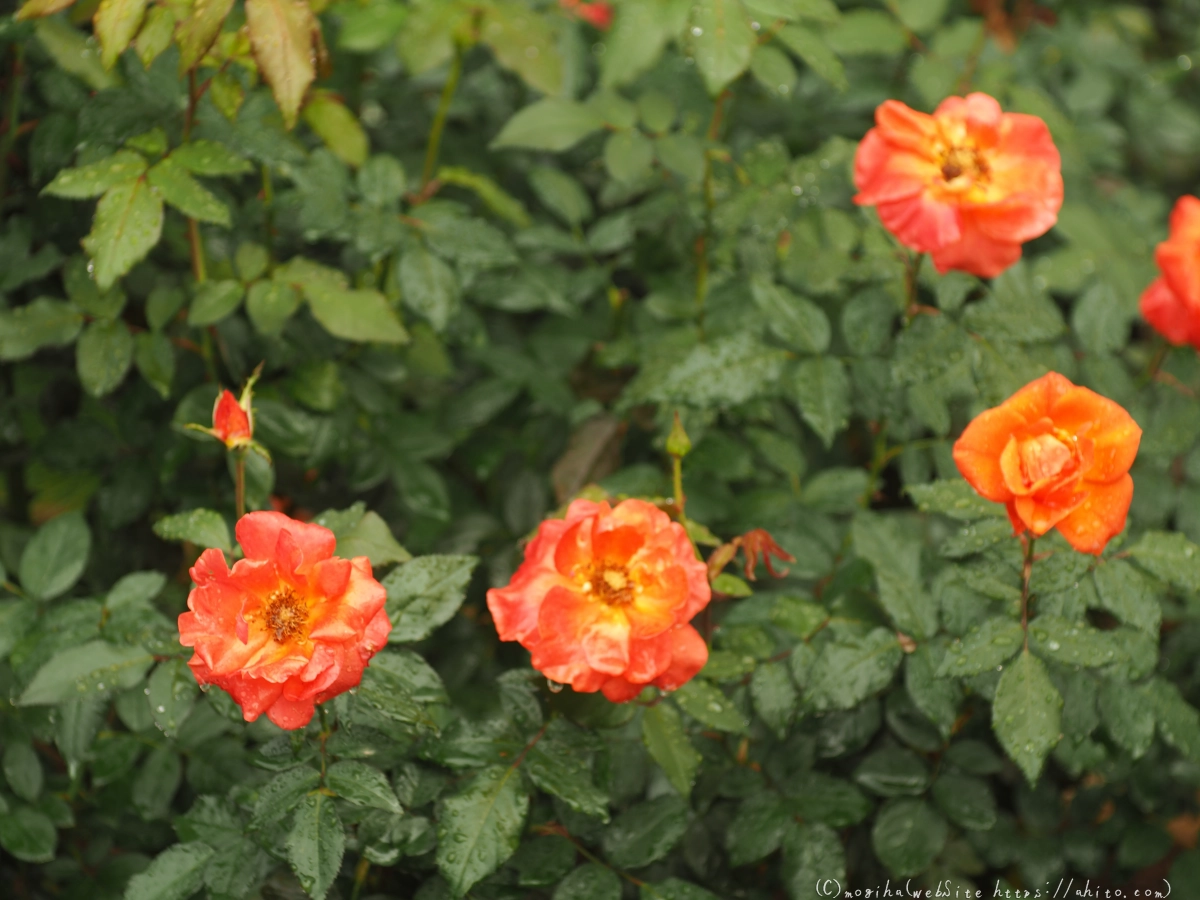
(560, 660)
(1015, 219)
(976, 253)
(291, 714)
(606, 645)
(375, 636)
(647, 518)
(977, 117)
(922, 223)
(584, 509)
(618, 690)
(648, 659)
(332, 576)
(884, 174)
(1027, 137)
(514, 608)
(1100, 518)
(600, 631)
(209, 567)
(689, 653)
(904, 127)
(258, 534)
(254, 696)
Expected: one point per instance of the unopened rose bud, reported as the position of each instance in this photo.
(679, 444)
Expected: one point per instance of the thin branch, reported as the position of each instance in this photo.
(439, 119)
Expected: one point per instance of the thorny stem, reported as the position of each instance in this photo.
(195, 244)
(439, 119)
(12, 114)
(677, 480)
(197, 247)
(239, 482)
(1026, 572)
(710, 203)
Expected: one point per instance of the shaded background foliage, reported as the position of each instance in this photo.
(615, 227)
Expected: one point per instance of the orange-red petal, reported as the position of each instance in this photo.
(1100, 518)
(259, 532)
(1113, 433)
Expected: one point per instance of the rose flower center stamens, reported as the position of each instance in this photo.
(609, 584)
(286, 614)
(963, 160)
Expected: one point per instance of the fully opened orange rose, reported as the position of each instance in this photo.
(968, 185)
(289, 626)
(604, 598)
(1172, 302)
(1057, 456)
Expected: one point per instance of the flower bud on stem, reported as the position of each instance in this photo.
(679, 445)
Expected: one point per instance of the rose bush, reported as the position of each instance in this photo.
(624, 506)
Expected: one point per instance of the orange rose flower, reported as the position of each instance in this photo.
(1057, 456)
(597, 14)
(603, 600)
(289, 626)
(969, 184)
(1172, 302)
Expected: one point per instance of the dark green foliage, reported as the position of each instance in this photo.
(461, 333)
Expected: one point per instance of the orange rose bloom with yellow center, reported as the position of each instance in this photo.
(1057, 456)
(968, 185)
(289, 626)
(604, 598)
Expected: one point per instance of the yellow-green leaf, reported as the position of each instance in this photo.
(281, 34)
(155, 35)
(337, 127)
(197, 32)
(128, 224)
(524, 43)
(75, 53)
(115, 24)
(35, 9)
(185, 193)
